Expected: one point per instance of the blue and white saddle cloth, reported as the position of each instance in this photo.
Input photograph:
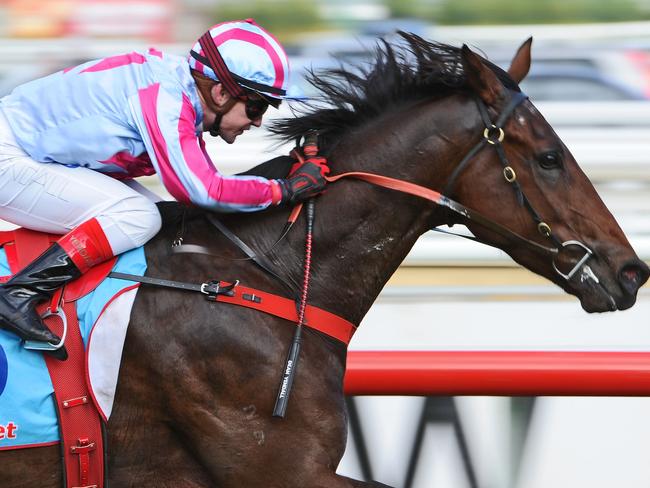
(27, 408)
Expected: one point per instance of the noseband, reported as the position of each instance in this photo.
(493, 135)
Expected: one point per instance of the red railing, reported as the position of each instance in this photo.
(503, 373)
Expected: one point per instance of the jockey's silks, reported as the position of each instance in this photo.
(129, 115)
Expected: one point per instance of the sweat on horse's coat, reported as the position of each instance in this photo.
(192, 369)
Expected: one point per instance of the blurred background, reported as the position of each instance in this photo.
(590, 78)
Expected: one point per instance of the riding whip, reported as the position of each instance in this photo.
(291, 363)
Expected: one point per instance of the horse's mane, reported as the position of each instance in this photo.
(402, 72)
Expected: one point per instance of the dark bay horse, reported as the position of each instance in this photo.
(199, 379)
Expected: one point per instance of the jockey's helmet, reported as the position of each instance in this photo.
(244, 57)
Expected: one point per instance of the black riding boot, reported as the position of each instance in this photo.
(33, 284)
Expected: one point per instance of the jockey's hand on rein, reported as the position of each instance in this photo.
(305, 181)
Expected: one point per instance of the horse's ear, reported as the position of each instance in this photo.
(480, 78)
(521, 62)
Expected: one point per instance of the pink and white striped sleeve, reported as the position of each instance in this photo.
(179, 156)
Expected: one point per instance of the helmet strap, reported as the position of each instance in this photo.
(205, 85)
(216, 125)
(219, 67)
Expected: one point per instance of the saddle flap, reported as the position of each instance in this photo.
(89, 281)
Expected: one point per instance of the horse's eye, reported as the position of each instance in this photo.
(550, 160)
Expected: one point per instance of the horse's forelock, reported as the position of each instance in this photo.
(404, 71)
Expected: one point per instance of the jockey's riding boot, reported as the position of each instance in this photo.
(35, 283)
(64, 261)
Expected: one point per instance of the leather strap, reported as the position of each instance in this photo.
(439, 199)
(210, 288)
(79, 421)
(244, 296)
(315, 318)
(260, 259)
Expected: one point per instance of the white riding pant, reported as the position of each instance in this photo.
(54, 198)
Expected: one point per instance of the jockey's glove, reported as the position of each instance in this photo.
(305, 181)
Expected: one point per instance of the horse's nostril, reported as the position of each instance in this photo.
(633, 275)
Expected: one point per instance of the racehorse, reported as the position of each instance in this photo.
(199, 379)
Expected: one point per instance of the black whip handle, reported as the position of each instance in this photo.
(291, 363)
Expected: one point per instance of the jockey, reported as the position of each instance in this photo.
(71, 143)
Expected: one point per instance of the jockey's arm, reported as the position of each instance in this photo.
(167, 123)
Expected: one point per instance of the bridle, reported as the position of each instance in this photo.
(493, 135)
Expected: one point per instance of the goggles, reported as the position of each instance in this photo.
(255, 107)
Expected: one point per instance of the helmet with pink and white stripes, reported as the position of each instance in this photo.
(243, 56)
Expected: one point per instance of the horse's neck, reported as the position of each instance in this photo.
(356, 252)
(363, 233)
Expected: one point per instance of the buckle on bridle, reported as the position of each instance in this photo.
(489, 132)
(210, 288)
(545, 230)
(579, 264)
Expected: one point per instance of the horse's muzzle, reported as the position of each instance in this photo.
(602, 291)
(631, 277)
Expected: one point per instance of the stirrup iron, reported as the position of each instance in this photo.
(48, 346)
